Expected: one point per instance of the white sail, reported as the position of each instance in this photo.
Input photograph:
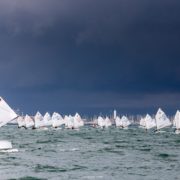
(78, 122)
(125, 122)
(142, 122)
(38, 120)
(118, 122)
(70, 122)
(101, 122)
(6, 113)
(21, 121)
(107, 122)
(57, 120)
(47, 119)
(177, 120)
(29, 123)
(162, 120)
(149, 122)
(66, 120)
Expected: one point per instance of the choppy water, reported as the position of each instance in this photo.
(90, 154)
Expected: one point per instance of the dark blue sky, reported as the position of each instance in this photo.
(90, 56)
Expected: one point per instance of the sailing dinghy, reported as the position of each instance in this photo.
(122, 122)
(21, 122)
(108, 122)
(101, 122)
(125, 122)
(29, 123)
(78, 122)
(57, 120)
(177, 122)
(47, 120)
(162, 121)
(142, 123)
(6, 115)
(149, 122)
(118, 121)
(38, 120)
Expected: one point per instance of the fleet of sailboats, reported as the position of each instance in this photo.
(38, 121)
(123, 122)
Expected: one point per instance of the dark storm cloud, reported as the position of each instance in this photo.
(116, 50)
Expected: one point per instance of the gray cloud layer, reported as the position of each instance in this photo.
(93, 47)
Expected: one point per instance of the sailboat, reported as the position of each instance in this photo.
(149, 122)
(177, 122)
(125, 122)
(57, 120)
(142, 123)
(29, 123)
(118, 121)
(21, 122)
(78, 122)
(69, 122)
(122, 122)
(162, 121)
(38, 120)
(108, 122)
(101, 122)
(6, 115)
(47, 120)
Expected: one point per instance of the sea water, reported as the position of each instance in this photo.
(90, 154)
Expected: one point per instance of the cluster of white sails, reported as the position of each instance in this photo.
(158, 122)
(56, 120)
(161, 121)
(39, 121)
(106, 122)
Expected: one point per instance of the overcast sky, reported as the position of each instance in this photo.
(90, 56)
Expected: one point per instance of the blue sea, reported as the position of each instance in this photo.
(90, 154)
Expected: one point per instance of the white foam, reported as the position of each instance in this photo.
(9, 151)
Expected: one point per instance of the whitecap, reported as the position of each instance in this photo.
(9, 150)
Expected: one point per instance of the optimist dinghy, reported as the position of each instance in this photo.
(142, 123)
(162, 121)
(57, 120)
(38, 120)
(149, 122)
(29, 123)
(21, 122)
(177, 122)
(6, 115)
(101, 122)
(47, 120)
(122, 122)
(108, 122)
(78, 122)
